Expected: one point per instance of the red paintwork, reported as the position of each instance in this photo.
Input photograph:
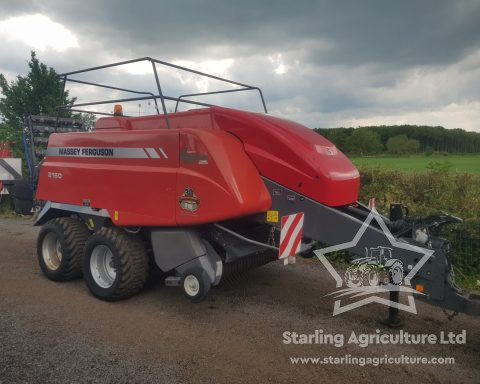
(147, 191)
(239, 146)
(282, 150)
(293, 156)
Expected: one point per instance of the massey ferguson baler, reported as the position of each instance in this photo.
(201, 194)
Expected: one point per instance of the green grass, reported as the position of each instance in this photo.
(454, 163)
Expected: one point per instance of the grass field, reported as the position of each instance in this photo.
(454, 163)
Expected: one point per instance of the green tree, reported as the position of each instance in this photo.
(88, 120)
(364, 142)
(401, 144)
(413, 146)
(37, 93)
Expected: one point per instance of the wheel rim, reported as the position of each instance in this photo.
(191, 285)
(102, 267)
(52, 251)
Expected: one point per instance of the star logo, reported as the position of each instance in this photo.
(363, 280)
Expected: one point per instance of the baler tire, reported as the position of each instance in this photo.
(130, 264)
(70, 236)
(200, 277)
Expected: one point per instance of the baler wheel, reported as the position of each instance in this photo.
(196, 285)
(60, 248)
(115, 264)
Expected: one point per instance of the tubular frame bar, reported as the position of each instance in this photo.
(68, 106)
(94, 113)
(160, 95)
(219, 92)
(117, 89)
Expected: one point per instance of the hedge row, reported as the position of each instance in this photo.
(428, 193)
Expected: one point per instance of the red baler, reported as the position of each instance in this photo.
(189, 192)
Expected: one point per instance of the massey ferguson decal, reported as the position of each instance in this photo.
(189, 201)
(111, 152)
(100, 152)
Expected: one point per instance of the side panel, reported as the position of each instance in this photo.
(216, 179)
(156, 177)
(130, 174)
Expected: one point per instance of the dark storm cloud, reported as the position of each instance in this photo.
(392, 32)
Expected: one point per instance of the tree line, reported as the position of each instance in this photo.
(401, 139)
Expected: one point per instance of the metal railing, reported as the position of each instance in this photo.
(149, 95)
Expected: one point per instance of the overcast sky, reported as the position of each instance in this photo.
(321, 63)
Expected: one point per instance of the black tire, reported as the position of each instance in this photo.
(129, 262)
(199, 278)
(68, 236)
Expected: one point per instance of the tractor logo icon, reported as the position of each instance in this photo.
(378, 267)
(368, 279)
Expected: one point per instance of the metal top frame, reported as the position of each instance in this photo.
(149, 95)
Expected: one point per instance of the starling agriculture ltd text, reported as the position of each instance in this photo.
(364, 340)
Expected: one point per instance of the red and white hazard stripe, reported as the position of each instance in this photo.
(291, 235)
(153, 153)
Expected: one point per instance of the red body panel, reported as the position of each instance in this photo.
(293, 156)
(205, 168)
(282, 150)
(141, 190)
(229, 185)
(148, 191)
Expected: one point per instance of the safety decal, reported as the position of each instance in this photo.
(272, 216)
(189, 201)
(291, 236)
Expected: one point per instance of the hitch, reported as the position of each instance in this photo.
(431, 279)
(393, 320)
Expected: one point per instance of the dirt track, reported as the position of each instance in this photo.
(57, 332)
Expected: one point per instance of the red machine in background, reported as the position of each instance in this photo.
(11, 182)
(200, 195)
(5, 152)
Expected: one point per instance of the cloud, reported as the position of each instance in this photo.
(464, 115)
(37, 31)
(322, 63)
